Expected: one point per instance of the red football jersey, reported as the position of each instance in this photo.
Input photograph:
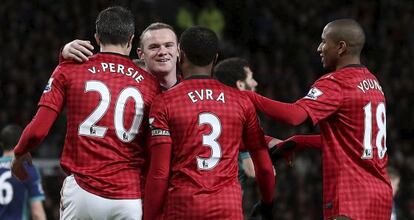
(205, 122)
(349, 106)
(107, 100)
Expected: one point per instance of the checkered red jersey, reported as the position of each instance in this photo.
(205, 122)
(349, 106)
(107, 101)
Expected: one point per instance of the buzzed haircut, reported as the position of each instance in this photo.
(9, 136)
(115, 25)
(200, 45)
(156, 26)
(350, 31)
(231, 70)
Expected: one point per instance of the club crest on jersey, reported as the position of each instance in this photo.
(313, 93)
(48, 87)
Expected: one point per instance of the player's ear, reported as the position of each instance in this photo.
(215, 59)
(98, 41)
(140, 53)
(130, 41)
(181, 57)
(240, 85)
(342, 47)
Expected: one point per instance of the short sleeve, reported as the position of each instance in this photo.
(158, 121)
(54, 93)
(34, 185)
(323, 99)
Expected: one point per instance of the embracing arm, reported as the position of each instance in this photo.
(78, 50)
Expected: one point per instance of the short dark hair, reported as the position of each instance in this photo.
(156, 26)
(200, 45)
(9, 136)
(115, 25)
(230, 70)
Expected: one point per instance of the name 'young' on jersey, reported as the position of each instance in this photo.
(349, 106)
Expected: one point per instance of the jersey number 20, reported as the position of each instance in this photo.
(89, 127)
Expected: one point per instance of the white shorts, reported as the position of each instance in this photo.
(77, 203)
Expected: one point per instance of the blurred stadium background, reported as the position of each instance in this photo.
(279, 38)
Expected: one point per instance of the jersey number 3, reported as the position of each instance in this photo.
(210, 141)
(89, 127)
(381, 135)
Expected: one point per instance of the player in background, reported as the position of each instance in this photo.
(107, 100)
(236, 72)
(158, 51)
(18, 199)
(349, 106)
(197, 128)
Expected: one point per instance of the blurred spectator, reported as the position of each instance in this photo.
(212, 17)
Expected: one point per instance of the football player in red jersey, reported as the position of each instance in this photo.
(197, 128)
(107, 100)
(349, 106)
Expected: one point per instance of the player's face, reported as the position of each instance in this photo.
(249, 83)
(159, 51)
(328, 49)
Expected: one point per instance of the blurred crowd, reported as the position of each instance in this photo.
(279, 38)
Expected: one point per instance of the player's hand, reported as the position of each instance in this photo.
(284, 149)
(17, 166)
(78, 50)
(264, 210)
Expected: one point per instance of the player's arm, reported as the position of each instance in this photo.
(247, 164)
(271, 141)
(157, 180)
(255, 143)
(32, 135)
(289, 113)
(287, 148)
(37, 211)
(78, 50)
(160, 146)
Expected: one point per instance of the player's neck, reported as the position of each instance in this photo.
(197, 71)
(115, 49)
(348, 60)
(168, 81)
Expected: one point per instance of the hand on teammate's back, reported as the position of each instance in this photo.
(78, 50)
